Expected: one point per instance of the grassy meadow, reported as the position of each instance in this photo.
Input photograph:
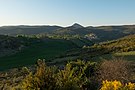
(48, 50)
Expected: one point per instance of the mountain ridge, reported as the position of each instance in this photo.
(104, 33)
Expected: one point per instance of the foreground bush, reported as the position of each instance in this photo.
(117, 85)
(117, 69)
(42, 79)
(75, 76)
(78, 75)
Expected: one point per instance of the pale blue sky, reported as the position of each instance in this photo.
(67, 12)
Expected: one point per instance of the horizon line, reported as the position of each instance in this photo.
(65, 25)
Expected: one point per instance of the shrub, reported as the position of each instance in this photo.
(75, 75)
(71, 78)
(117, 85)
(117, 69)
(42, 79)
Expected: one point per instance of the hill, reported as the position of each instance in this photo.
(124, 44)
(59, 44)
(119, 47)
(60, 49)
(9, 44)
(26, 30)
(103, 33)
(25, 50)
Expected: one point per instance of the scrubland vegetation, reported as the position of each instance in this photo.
(67, 60)
(117, 74)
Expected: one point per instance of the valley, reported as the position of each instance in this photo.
(27, 51)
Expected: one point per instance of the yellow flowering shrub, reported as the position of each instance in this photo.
(130, 86)
(117, 85)
(111, 85)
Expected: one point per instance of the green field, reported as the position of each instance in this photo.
(47, 50)
(125, 55)
(81, 42)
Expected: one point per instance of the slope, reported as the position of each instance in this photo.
(123, 47)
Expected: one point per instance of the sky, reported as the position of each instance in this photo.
(67, 12)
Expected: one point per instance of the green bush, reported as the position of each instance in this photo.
(42, 79)
(75, 76)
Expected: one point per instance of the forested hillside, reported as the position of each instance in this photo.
(24, 50)
(27, 30)
(125, 44)
(69, 58)
(9, 45)
(102, 33)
